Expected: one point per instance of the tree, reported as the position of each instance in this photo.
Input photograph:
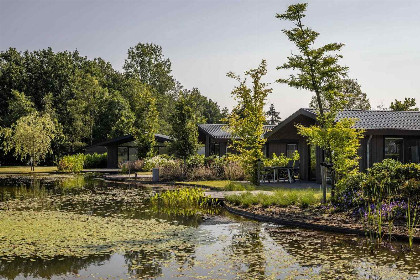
(206, 108)
(318, 68)
(247, 127)
(31, 137)
(319, 72)
(405, 105)
(84, 109)
(272, 116)
(147, 63)
(353, 97)
(146, 116)
(184, 123)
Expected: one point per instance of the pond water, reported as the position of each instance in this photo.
(214, 243)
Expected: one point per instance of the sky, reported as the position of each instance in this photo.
(206, 39)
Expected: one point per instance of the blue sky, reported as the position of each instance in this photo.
(206, 39)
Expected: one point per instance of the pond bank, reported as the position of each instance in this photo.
(310, 219)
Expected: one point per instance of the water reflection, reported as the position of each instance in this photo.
(222, 246)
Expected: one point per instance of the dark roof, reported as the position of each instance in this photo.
(381, 119)
(220, 131)
(129, 138)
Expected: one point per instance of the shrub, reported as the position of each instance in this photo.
(385, 179)
(132, 166)
(155, 162)
(349, 192)
(201, 173)
(95, 160)
(233, 170)
(171, 170)
(71, 163)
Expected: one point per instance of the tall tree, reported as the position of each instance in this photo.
(246, 122)
(318, 68)
(273, 117)
(407, 105)
(352, 94)
(319, 72)
(206, 108)
(30, 136)
(147, 63)
(184, 122)
(145, 125)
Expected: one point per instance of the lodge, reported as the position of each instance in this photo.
(387, 134)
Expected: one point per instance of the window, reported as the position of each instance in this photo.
(290, 149)
(413, 150)
(394, 148)
(122, 154)
(132, 155)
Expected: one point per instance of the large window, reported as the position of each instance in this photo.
(132, 155)
(122, 154)
(394, 148)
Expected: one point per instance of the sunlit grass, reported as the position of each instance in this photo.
(222, 185)
(26, 169)
(282, 198)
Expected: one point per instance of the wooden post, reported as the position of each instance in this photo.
(324, 183)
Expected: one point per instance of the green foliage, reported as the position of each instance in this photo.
(184, 127)
(273, 117)
(88, 100)
(71, 163)
(385, 181)
(183, 197)
(405, 105)
(318, 68)
(246, 122)
(237, 186)
(281, 160)
(30, 136)
(341, 139)
(51, 234)
(75, 163)
(282, 198)
(146, 117)
(391, 178)
(95, 160)
(351, 94)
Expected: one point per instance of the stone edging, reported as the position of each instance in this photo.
(328, 228)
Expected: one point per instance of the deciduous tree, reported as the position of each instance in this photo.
(247, 127)
(31, 137)
(184, 123)
(352, 94)
(407, 105)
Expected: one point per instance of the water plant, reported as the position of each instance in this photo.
(282, 198)
(411, 222)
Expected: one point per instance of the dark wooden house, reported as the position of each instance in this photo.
(388, 134)
(124, 148)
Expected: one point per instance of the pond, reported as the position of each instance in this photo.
(84, 228)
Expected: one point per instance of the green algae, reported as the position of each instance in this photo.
(48, 234)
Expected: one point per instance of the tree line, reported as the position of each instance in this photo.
(86, 101)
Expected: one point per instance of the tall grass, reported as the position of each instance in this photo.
(302, 198)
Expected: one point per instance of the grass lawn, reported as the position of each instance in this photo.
(26, 169)
(282, 197)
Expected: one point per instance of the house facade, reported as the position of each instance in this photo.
(124, 148)
(387, 134)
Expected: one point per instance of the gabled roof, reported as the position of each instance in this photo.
(220, 131)
(368, 120)
(381, 119)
